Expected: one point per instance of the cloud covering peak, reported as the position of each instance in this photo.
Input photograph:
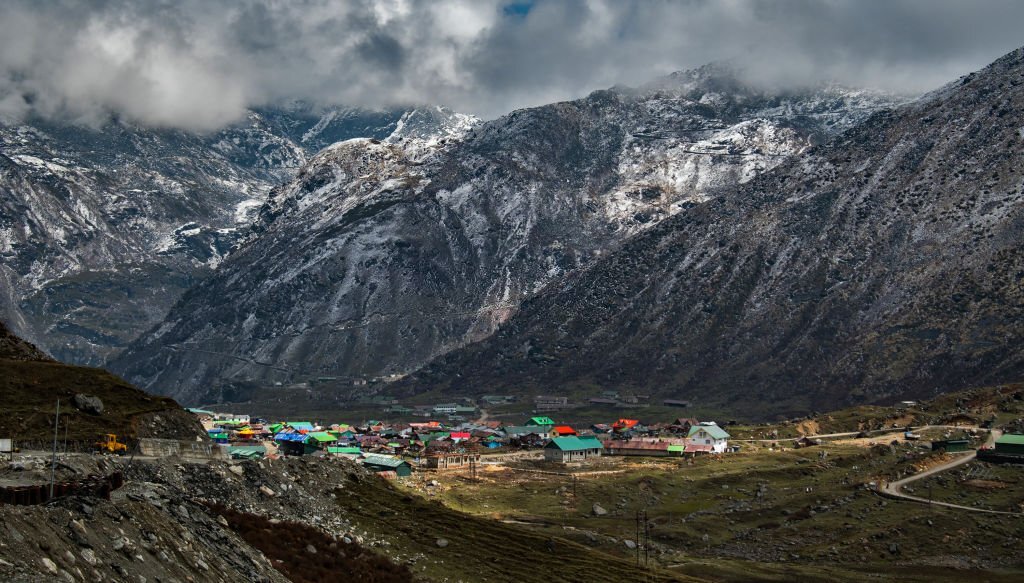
(199, 64)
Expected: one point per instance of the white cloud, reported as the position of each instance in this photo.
(200, 64)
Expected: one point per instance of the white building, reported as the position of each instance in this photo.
(709, 433)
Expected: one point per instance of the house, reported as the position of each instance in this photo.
(650, 448)
(709, 433)
(387, 463)
(563, 431)
(683, 425)
(572, 449)
(528, 435)
(446, 408)
(541, 421)
(624, 425)
(301, 426)
(452, 460)
(550, 403)
(292, 443)
(320, 439)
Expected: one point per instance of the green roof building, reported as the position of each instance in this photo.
(387, 463)
(572, 449)
(1010, 444)
(540, 421)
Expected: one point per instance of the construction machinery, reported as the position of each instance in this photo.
(110, 444)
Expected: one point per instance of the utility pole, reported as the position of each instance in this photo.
(53, 461)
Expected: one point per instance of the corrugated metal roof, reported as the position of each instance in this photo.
(322, 436)
(712, 430)
(523, 429)
(1011, 439)
(383, 460)
(573, 444)
(635, 444)
(335, 449)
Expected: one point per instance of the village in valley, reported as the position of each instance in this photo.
(448, 441)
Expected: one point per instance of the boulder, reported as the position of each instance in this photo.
(88, 404)
(598, 510)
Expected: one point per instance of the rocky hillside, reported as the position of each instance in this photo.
(102, 229)
(14, 348)
(297, 519)
(384, 254)
(887, 263)
(93, 401)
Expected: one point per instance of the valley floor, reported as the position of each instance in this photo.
(766, 514)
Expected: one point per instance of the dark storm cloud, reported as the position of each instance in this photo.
(199, 64)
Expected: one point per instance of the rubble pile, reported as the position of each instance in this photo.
(161, 526)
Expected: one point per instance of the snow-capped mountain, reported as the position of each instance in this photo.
(886, 264)
(383, 254)
(102, 229)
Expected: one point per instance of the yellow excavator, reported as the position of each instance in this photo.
(110, 444)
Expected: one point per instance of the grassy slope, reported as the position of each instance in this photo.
(28, 397)
(480, 549)
(709, 519)
(764, 515)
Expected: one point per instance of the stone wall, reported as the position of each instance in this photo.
(149, 446)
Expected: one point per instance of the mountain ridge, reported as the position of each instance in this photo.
(379, 257)
(886, 263)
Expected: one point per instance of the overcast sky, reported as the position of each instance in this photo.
(198, 64)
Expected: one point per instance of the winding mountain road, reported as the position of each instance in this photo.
(895, 489)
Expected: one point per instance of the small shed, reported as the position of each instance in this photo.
(387, 463)
(951, 445)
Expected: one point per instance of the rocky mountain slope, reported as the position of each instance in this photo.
(102, 229)
(887, 263)
(384, 254)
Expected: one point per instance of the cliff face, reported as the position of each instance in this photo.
(382, 255)
(101, 229)
(886, 263)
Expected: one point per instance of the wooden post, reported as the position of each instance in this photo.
(53, 461)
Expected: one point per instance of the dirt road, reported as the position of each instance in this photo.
(895, 489)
